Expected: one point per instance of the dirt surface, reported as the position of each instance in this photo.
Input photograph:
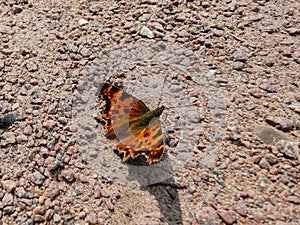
(227, 72)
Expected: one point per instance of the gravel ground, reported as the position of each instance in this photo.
(232, 157)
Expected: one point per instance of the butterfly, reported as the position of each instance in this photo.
(136, 127)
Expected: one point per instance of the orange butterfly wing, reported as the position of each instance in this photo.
(123, 115)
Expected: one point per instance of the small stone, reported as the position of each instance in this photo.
(8, 199)
(37, 178)
(241, 208)
(9, 185)
(281, 123)
(146, 32)
(256, 159)
(109, 204)
(20, 192)
(95, 8)
(258, 216)
(264, 164)
(7, 120)
(52, 163)
(56, 218)
(82, 22)
(267, 87)
(49, 214)
(91, 218)
(38, 218)
(31, 67)
(217, 32)
(180, 17)
(2, 64)
(288, 148)
(85, 52)
(211, 74)
(238, 65)
(295, 107)
(240, 58)
(229, 217)
(68, 175)
(52, 191)
(27, 130)
(293, 31)
(7, 138)
(294, 199)
(21, 138)
(129, 25)
(71, 48)
(8, 210)
(40, 210)
(207, 43)
(17, 9)
(205, 4)
(271, 158)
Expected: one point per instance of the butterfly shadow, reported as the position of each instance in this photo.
(158, 180)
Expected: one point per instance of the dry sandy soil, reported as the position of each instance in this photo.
(227, 72)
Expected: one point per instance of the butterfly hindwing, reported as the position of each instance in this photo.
(133, 124)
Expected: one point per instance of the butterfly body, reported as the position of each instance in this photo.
(136, 127)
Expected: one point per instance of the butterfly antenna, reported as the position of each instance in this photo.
(162, 90)
(180, 106)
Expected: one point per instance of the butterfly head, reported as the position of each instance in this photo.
(160, 110)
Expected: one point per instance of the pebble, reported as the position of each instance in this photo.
(8, 199)
(238, 65)
(52, 163)
(91, 218)
(40, 210)
(180, 17)
(229, 217)
(21, 138)
(295, 107)
(272, 159)
(38, 218)
(31, 67)
(280, 123)
(7, 120)
(27, 130)
(264, 164)
(85, 52)
(37, 178)
(241, 208)
(268, 87)
(95, 8)
(288, 149)
(9, 185)
(294, 199)
(8, 210)
(68, 175)
(20, 192)
(49, 214)
(293, 31)
(56, 218)
(8, 138)
(240, 58)
(146, 32)
(52, 191)
(1, 64)
(82, 22)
